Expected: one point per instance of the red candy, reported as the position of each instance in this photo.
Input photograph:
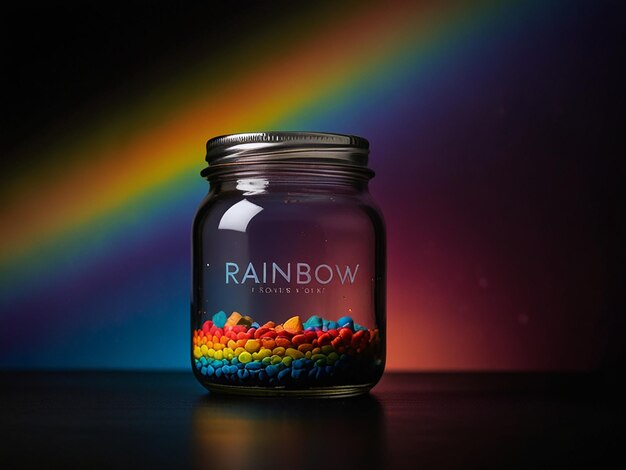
(261, 331)
(299, 339)
(346, 335)
(324, 339)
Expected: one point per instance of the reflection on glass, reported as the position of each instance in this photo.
(252, 186)
(239, 216)
(231, 432)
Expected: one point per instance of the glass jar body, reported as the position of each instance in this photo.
(288, 288)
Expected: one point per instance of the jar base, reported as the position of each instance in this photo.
(339, 391)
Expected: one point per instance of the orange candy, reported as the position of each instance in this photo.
(293, 325)
(305, 347)
(268, 343)
(283, 342)
(233, 319)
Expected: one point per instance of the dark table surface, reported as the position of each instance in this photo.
(167, 420)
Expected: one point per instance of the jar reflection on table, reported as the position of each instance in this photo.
(232, 432)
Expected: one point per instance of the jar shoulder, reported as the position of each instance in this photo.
(359, 210)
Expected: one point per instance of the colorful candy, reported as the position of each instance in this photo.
(235, 350)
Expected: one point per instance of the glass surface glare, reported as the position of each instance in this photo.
(288, 294)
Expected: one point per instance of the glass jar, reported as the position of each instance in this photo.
(288, 277)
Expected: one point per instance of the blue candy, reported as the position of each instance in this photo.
(313, 322)
(219, 319)
(218, 372)
(217, 363)
(346, 322)
(255, 325)
(210, 371)
(203, 371)
(297, 373)
(359, 327)
(243, 374)
(262, 375)
(297, 364)
(283, 374)
(332, 325)
(271, 370)
(253, 365)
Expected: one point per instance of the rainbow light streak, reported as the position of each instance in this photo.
(131, 184)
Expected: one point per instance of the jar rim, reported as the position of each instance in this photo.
(283, 146)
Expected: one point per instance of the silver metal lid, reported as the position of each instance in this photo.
(260, 147)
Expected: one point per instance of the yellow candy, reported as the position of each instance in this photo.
(307, 354)
(204, 349)
(227, 352)
(252, 345)
(255, 356)
(276, 359)
(280, 351)
(218, 346)
(294, 353)
(232, 344)
(245, 357)
(197, 352)
(287, 360)
(317, 350)
(238, 351)
(263, 353)
(219, 355)
(211, 352)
